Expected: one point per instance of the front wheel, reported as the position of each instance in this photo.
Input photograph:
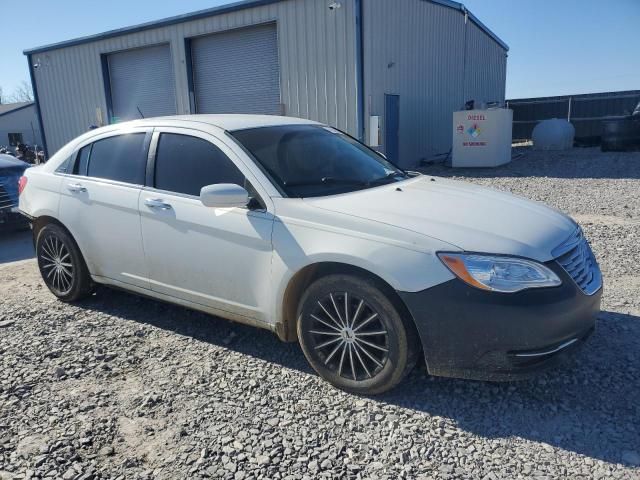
(61, 264)
(353, 336)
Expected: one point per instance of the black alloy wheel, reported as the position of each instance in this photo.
(61, 264)
(353, 335)
(349, 336)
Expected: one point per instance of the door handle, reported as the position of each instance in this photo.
(157, 203)
(76, 188)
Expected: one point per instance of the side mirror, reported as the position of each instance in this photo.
(224, 195)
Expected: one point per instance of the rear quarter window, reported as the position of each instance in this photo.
(64, 166)
(82, 160)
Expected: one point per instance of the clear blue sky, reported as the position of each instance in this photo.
(557, 46)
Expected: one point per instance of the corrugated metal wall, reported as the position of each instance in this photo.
(317, 66)
(485, 71)
(416, 49)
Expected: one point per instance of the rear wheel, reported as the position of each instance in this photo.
(353, 336)
(61, 264)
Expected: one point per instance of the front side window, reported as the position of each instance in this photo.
(185, 164)
(122, 158)
(312, 161)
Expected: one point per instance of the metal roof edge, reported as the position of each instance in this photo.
(17, 109)
(486, 30)
(474, 19)
(231, 7)
(209, 12)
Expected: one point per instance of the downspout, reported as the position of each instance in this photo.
(106, 83)
(36, 100)
(464, 59)
(188, 60)
(360, 68)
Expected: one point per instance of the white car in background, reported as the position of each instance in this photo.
(293, 226)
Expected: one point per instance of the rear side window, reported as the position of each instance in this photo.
(121, 158)
(185, 164)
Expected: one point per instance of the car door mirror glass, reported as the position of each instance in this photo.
(224, 195)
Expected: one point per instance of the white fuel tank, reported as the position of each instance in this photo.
(482, 138)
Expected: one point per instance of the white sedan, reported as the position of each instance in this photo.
(296, 227)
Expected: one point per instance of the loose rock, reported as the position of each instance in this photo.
(119, 387)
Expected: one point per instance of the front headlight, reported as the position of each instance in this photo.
(497, 273)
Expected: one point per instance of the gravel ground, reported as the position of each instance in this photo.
(123, 387)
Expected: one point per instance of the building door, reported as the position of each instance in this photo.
(141, 83)
(392, 127)
(237, 71)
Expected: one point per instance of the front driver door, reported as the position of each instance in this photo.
(216, 257)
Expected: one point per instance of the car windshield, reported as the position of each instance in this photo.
(314, 161)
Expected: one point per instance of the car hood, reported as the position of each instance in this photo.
(471, 217)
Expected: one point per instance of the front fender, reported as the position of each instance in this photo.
(297, 246)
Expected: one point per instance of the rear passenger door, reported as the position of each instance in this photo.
(216, 257)
(99, 205)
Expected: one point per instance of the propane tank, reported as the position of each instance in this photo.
(553, 134)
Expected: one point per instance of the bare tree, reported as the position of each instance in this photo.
(22, 93)
(2, 98)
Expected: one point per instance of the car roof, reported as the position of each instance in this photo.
(224, 121)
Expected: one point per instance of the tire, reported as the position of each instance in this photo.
(61, 264)
(336, 350)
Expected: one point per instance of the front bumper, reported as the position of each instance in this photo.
(474, 334)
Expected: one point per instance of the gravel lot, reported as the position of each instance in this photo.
(123, 387)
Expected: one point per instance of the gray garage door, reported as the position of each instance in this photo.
(237, 71)
(142, 81)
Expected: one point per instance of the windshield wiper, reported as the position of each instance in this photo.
(324, 181)
(346, 181)
(387, 177)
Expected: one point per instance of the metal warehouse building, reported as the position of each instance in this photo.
(387, 71)
(19, 124)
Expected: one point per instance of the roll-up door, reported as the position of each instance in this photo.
(237, 71)
(142, 83)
